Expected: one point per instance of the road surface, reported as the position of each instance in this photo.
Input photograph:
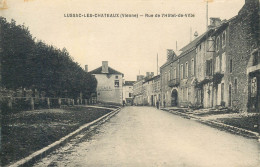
(145, 136)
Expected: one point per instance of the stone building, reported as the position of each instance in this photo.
(243, 53)
(205, 49)
(156, 89)
(187, 74)
(169, 80)
(151, 90)
(138, 90)
(109, 84)
(128, 92)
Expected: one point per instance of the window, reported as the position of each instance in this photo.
(116, 77)
(222, 91)
(253, 87)
(174, 73)
(235, 85)
(217, 64)
(192, 67)
(165, 77)
(255, 58)
(181, 71)
(223, 62)
(130, 94)
(187, 94)
(169, 75)
(182, 93)
(230, 66)
(187, 70)
(224, 39)
(217, 44)
(208, 67)
(116, 83)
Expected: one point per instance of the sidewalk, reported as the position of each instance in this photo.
(245, 124)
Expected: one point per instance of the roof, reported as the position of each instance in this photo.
(129, 83)
(110, 71)
(223, 26)
(153, 78)
(192, 44)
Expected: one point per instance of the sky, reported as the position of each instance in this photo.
(130, 45)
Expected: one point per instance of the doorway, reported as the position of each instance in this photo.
(229, 95)
(174, 98)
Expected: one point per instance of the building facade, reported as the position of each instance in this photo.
(169, 80)
(109, 84)
(128, 92)
(138, 90)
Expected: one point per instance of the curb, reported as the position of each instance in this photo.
(27, 161)
(232, 129)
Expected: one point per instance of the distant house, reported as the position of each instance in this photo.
(128, 92)
(109, 84)
(138, 90)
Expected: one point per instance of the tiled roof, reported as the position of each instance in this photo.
(110, 71)
(129, 83)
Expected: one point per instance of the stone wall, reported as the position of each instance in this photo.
(243, 35)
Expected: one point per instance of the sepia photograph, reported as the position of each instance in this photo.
(130, 83)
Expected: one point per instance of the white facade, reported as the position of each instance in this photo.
(109, 88)
(109, 84)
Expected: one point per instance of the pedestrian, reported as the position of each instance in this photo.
(157, 104)
(123, 103)
(164, 103)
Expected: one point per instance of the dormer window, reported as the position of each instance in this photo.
(116, 76)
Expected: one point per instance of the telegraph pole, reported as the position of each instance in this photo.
(157, 64)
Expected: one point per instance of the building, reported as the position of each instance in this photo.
(156, 92)
(109, 84)
(128, 92)
(138, 90)
(187, 74)
(205, 49)
(169, 80)
(237, 59)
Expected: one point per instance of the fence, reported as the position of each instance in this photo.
(9, 103)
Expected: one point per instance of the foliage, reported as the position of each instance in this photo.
(201, 83)
(217, 77)
(27, 63)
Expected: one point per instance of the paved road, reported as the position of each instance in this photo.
(145, 136)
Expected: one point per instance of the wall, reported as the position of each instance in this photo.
(243, 40)
(106, 90)
(187, 91)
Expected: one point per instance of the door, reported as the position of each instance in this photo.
(229, 95)
(174, 98)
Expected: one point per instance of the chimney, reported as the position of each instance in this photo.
(170, 54)
(147, 74)
(104, 66)
(214, 22)
(140, 77)
(152, 74)
(86, 68)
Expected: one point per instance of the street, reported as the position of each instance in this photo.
(145, 136)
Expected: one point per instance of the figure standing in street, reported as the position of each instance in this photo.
(157, 104)
(123, 103)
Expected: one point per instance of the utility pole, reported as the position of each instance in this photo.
(157, 64)
(207, 15)
(190, 34)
